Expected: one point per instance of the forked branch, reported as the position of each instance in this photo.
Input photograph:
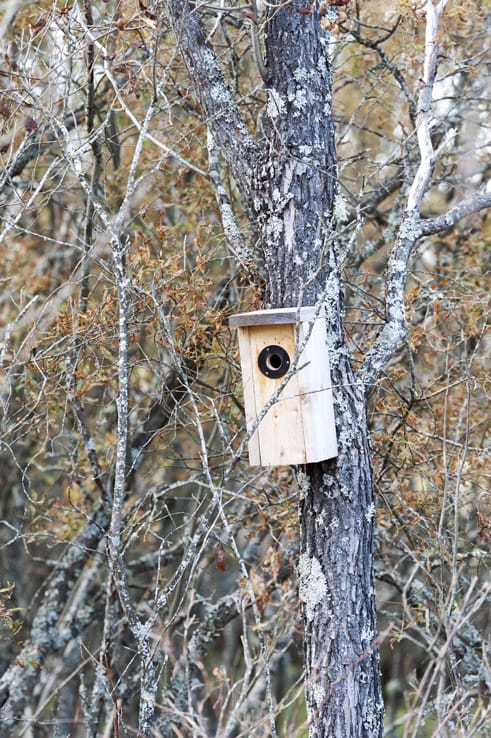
(413, 227)
(216, 100)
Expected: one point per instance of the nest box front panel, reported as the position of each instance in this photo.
(267, 352)
(298, 426)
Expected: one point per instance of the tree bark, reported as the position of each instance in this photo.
(296, 184)
(291, 187)
(296, 205)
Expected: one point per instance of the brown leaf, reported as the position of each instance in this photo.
(31, 125)
(220, 557)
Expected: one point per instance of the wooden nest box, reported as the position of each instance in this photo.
(298, 427)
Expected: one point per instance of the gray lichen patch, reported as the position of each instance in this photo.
(312, 587)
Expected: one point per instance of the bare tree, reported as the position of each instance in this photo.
(145, 200)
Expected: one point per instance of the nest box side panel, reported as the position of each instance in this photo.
(280, 433)
(248, 376)
(316, 393)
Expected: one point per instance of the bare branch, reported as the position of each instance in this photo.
(439, 223)
(140, 631)
(389, 64)
(411, 228)
(46, 637)
(423, 114)
(235, 238)
(221, 112)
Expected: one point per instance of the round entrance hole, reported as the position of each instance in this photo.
(273, 361)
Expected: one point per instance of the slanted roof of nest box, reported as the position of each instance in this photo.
(273, 317)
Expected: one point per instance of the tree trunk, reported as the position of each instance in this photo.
(336, 585)
(291, 187)
(296, 206)
(297, 179)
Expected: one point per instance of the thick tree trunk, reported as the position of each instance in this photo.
(296, 183)
(336, 585)
(296, 205)
(291, 187)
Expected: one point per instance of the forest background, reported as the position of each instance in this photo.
(125, 247)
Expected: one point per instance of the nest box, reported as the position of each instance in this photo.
(298, 427)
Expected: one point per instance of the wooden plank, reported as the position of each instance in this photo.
(278, 316)
(280, 433)
(316, 394)
(248, 380)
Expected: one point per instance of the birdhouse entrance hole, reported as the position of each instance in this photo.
(274, 361)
